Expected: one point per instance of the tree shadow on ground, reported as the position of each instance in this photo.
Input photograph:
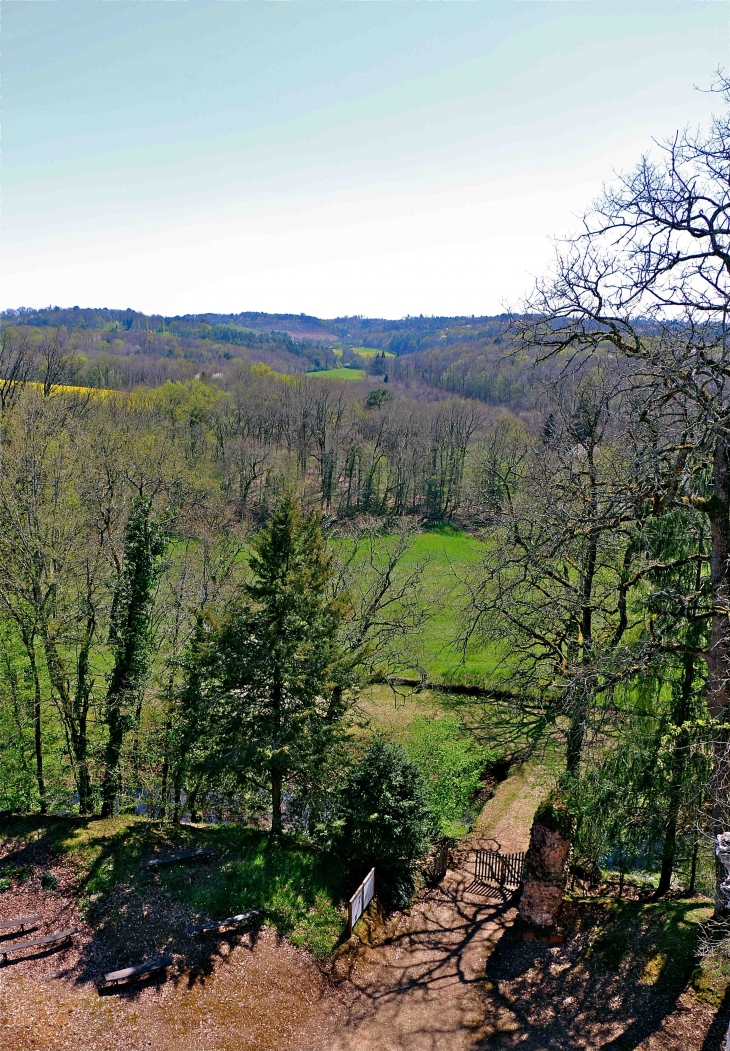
(127, 915)
(418, 980)
(619, 974)
(716, 1034)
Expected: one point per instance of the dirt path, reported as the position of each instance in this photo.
(420, 985)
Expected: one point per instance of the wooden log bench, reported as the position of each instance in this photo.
(129, 973)
(34, 943)
(219, 925)
(173, 859)
(20, 921)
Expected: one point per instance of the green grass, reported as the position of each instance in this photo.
(301, 890)
(370, 352)
(341, 374)
(451, 553)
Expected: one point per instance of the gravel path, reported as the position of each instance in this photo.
(419, 985)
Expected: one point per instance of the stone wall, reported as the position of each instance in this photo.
(546, 865)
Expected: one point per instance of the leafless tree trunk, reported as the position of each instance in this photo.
(648, 278)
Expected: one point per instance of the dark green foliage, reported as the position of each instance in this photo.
(642, 799)
(385, 821)
(376, 398)
(276, 673)
(555, 815)
(129, 634)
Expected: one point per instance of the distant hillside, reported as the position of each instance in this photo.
(124, 348)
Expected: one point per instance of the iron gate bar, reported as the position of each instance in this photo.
(503, 869)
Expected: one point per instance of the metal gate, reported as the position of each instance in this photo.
(505, 869)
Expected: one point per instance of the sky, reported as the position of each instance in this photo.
(328, 157)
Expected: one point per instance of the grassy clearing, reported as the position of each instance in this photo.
(370, 352)
(354, 375)
(391, 712)
(301, 890)
(452, 553)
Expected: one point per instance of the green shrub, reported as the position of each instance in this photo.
(554, 814)
(5, 883)
(452, 764)
(49, 880)
(385, 821)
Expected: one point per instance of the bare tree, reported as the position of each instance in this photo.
(564, 551)
(16, 362)
(387, 591)
(55, 359)
(648, 278)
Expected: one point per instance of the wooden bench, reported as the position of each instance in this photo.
(20, 921)
(172, 859)
(219, 925)
(126, 973)
(50, 939)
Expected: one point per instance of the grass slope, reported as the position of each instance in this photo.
(301, 890)
(451, 554)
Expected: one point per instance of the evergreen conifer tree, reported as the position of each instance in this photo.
(278, 675)
(386, 821)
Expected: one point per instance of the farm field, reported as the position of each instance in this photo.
(371, 352)
(65, 388)
(341, 374)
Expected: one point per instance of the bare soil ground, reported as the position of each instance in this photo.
(240, 992)
(447, 975)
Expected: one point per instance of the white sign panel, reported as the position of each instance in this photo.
(361, 899)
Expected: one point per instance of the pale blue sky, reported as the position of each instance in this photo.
(380, 158)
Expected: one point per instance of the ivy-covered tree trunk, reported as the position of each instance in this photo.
(718, 657)
(129, 637)
(678, 763)
(37, 728)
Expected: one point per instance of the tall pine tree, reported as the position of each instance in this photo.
(278, 679)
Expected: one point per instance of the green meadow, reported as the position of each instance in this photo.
(371, 352)
(449, 556)
(341, 374)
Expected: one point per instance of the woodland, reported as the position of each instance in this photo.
(209, 553)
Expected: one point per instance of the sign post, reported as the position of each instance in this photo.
(360, 900)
